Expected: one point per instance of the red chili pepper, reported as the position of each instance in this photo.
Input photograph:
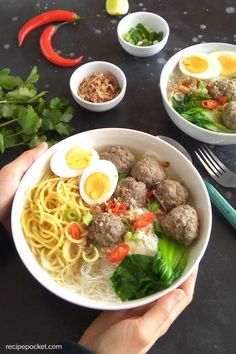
(74, 231)
(144, 220)
(116, 207)
(44, 18)
(151, 193)
(223, 100)
(119, 253)
(209, 104)
(49, 52)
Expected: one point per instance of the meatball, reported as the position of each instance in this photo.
(131, 192)
(229, 115)
(122, 158)
(171, 193)
(148, 170)
(223, 87)
(106, 229)
(181, 224)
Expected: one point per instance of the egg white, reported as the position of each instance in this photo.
(213, 70)
(105, 167)
(59, 165)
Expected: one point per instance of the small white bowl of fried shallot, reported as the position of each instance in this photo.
(98, 86)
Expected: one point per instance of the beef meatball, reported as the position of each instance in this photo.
(229, 115)
(106, 229)
(148, 170)
(171, 193)
(122, 158)
(131, 192)
(181, 224)
(223, 87)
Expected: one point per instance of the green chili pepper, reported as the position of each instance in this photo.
(71, 214)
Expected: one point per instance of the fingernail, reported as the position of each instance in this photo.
(43, 145)
(179, 297)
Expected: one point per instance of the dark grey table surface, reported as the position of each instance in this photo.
(29, 313)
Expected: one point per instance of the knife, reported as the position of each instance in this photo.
(222, 205)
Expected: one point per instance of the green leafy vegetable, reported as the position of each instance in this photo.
(139, 275)
(190, 108)
(26, 117)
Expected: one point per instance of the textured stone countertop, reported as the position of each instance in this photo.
(29, 313)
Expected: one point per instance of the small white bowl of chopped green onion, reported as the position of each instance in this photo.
(143, 34)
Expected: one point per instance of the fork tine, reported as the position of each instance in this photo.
(224, 168)
(211, 173)
(211, 162)
(208, 162)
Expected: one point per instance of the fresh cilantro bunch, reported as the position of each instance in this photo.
(26, 118)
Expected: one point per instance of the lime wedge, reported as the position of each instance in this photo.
(117, 7)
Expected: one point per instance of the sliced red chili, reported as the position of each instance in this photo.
(49, 52)
(144, 220)
(223, 100)
(151, 193)
(74, 231)
(119, 253)
(116, 207)
(209, 104)
(44, 18)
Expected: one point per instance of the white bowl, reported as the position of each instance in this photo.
(149, 20)
(135, 140)
(97, 67)
(187, 127)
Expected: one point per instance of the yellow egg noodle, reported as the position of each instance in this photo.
(47, 229)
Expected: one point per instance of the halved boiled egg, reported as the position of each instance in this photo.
(72, 160)
(227, 61)
(200, 66)
(98, 182)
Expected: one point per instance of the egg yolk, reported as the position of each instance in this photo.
(195, 64)
(97, 185)
(228, 64)
(78, 158)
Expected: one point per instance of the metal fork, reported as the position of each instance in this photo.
(218, 171)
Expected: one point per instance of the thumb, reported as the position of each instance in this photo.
(25, 160)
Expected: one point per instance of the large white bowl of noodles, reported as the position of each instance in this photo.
(196, 132)
(133, 140)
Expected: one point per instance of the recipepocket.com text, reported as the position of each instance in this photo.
(27, 347)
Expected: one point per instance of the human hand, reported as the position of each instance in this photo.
(10, 177)
(135, 331)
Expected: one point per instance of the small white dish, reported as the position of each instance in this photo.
(150, 20)
(97, 67)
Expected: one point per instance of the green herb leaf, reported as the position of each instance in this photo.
(7, 81)
(33, 77)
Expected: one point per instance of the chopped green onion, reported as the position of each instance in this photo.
(142, 36)
(129, 236)
(123, 175)
(153, 206)
(71, 214)
(87, 218)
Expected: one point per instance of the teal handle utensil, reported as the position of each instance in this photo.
(224, 207)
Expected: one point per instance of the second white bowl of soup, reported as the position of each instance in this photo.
(198, 87)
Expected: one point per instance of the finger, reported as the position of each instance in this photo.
(189, 284)
(25, 160)
(158, 319)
